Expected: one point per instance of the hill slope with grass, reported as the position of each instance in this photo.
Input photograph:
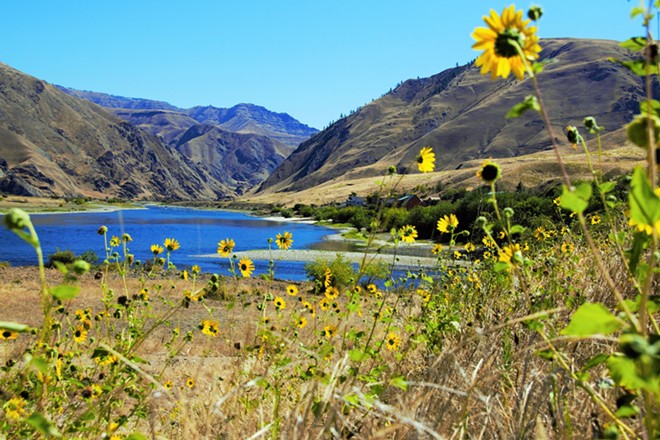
(461, 115)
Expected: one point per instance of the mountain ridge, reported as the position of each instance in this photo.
(461, 114)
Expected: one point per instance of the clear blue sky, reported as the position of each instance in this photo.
(313, 59)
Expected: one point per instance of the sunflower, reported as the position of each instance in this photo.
(310, 308)
(507, 252)
(209, 327)
(156, 249)
(324, 304)
(168, 384)
(125, 237)
(14, 408)
(328, 277)
(226, 246)
(195, 270)
(567, 247)
(172, 244)
(302, 322)
(291, 290)
(426, 160)
(469, 247)
(372, 289)
(595, 220)
(246, 266)
(447, 223)
(489, 172)
(190, 383)
(331, 292)
(8, 334)
(80, 334)
(504, 42)
(329, 331)
(392, 342)
(437, 249)
(284, 241)
(114, 241)
(408, 234)
(144, 294)
(279, 303)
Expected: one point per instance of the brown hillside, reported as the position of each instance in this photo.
(55, 144)
(461, 114)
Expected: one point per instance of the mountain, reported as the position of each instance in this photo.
(55, 144)
(241, 118)
(461, 114)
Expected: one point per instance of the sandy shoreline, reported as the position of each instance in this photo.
(309, 255)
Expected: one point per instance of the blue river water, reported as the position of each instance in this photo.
(198, 231)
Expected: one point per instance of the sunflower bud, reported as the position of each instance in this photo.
(391, 170)
(572, 134)
(508, 212)
(591, 125)
(103, 230)
(17, 219)
(481, 221)
(535, 12)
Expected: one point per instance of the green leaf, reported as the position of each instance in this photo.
(137, 436)
(640, 242)
(636, 11)
(595, 361)
(638, 67)
(43, 425)
(530, 103)
(64, 292)
(576, 200)
(624, 372)
(14, 327)
(592, 319)
(501, 266)
(627, 411)
(40, 364)
(517, 229)
(606, 187)
(635, 44)
(644, 204)
(399, 382)
(352, 399)
(650, 108)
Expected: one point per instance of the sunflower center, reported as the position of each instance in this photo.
(508, 41)
(489, 172)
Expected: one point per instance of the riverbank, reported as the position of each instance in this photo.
(46, 205)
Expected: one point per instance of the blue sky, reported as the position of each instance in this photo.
(313, 59)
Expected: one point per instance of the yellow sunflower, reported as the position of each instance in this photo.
(8, 334)
(329, 331)
(331, 292)
(504, 42)
(209, 327)
(426, 160)
(156, 249)
(447, 223)
(284, 241)
(328, 277)
(392, 342)
(190, 383)
(246, 266)
(172, 244)
(291, 290)
(80, 334)
(279, 303)
(324, 304)
(489, 172)
(437, 249)
(408, 234)
(372, 288)
(226, 246)
(302, 322)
